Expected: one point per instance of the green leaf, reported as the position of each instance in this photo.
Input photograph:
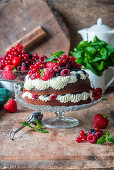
(74, 54)
(104, 99)
(101, 66)
(75, 49)
(96, 59)
(104, 54)
(79, 54)
(59, 53)
(111, 139)
(91, 50)
(49, 59)
(41, 72)
(27, 124)
(101, 140)
(43, 131)
(107, 134)
(110, 49)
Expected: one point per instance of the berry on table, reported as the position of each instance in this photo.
(98, 134)
(11, 106)
(89, 133)
(78, 139)
(92, 131)
(82, 132)
(97, 129)
(92, 138)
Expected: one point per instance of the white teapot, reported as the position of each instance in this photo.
(106, 34)
(102, 31)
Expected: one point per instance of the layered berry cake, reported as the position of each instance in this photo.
(57, 81)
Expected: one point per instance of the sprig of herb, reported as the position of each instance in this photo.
(39, 127)
(95, 56)
(105, 138)
(54, 56)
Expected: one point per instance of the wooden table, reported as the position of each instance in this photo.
(57, 149)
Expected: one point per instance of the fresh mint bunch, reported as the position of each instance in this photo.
(95, 56)
(105, 139)
(54, 56)
(39, 127)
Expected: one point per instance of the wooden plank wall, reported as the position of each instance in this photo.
(83, 13)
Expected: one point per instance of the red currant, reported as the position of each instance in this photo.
(97, 129)
(78, 139)
(89, 133)
(84, 137)
(82, 132)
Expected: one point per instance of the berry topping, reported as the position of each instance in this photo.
(16, 61)
(49, 73)
(56, 69)
(42, 59)
(77, 76)
(23, 69)
(51, 65)
(65, 72)
(98, 134)
(33, 76)
(53, 96)
(89, 133)
(92, 138)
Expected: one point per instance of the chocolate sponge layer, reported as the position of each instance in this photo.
(79, 86)
(55, 102)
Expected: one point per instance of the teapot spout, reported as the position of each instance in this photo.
(84, 34)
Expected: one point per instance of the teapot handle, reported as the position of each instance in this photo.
(110, 82)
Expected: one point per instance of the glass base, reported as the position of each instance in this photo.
(63, 123)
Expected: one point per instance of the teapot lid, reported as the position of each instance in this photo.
(99, 27)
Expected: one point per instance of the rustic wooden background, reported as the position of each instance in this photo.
(79, 14)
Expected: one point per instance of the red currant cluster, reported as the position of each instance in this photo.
(96, 93)
(68, 61)
(18, 57)
(92, 136)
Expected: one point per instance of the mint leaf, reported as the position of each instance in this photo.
(27, 124)
(101, 140)
(41, 72)
(107, 134)
(49, 59)
(59, 53)
(111, 139)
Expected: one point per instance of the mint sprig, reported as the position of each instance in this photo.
(54, 56)
(96, 56)
(105, 138)
(39, 127)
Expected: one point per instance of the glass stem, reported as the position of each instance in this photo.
(60, 115)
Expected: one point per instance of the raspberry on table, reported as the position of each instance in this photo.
(92, 138)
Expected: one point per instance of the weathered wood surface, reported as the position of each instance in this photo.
(79, 14)
(19, 17)
(58, 149)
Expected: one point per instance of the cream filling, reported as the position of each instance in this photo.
(56, 83)
(74, 98)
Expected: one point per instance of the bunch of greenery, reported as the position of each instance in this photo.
(95, 55)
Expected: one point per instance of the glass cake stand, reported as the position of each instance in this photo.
(59, 122)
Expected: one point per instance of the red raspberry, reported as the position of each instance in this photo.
(33, 76)
(92, 138)
(67, 65)
(44, 78)
(49, 73)
(65, 72)
(17, 61)
(51, 64)
(57, 69)
(78, 139)
(98, 134)
(8, 72)
(53, 96)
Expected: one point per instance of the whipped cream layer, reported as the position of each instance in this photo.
(55, 83)
(74, 98)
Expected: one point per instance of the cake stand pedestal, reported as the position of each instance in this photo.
(59, 122)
